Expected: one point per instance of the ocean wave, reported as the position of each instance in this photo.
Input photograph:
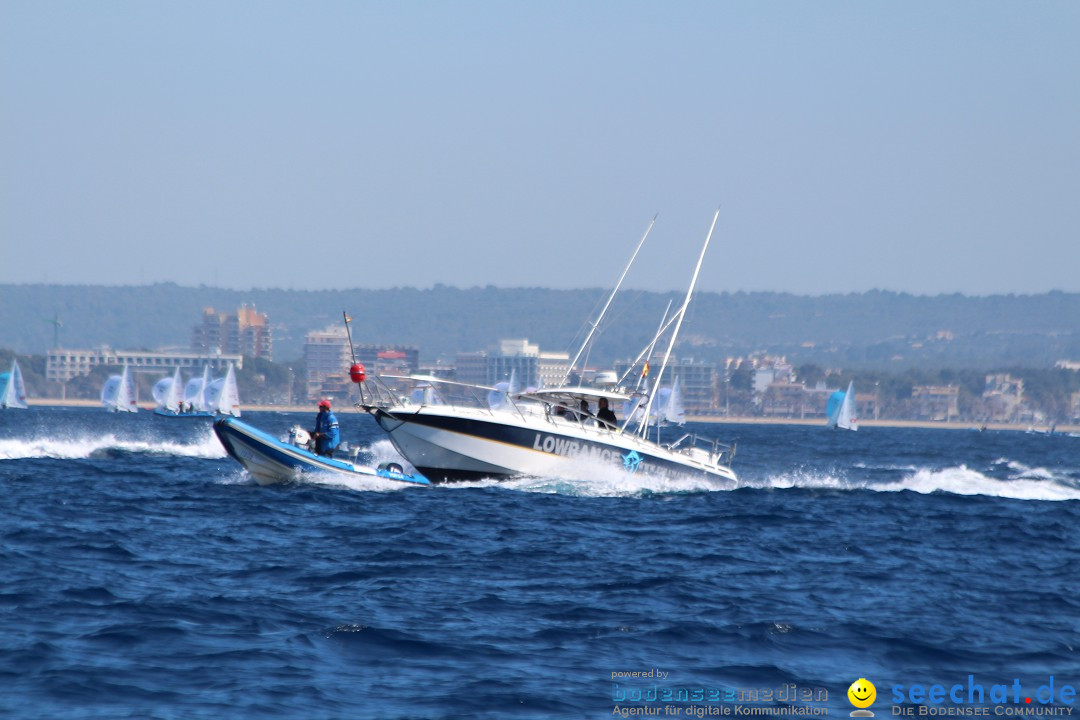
(80, 447)
(1023, 483)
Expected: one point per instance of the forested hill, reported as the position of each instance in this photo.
(874, 329)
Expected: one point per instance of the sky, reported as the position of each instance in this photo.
(921, 147)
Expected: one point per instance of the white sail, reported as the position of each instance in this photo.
(176, 393)
(169, 392)
(118, 395)
(161, 390)
(671, 405)
(841, 410)
(14, 394)
(193, 393)
(221, 395)
(196, 389)
(499, 398)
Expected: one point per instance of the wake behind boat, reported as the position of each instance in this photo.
(270, 460)
(472, 431)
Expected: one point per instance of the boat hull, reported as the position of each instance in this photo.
(448, 445)
(270, 460)
(170, 414)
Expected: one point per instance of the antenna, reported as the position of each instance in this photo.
(678, 325)
(57, 324)
(356, 370)
(348, 333)
(595, 325)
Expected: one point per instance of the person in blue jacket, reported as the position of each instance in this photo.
(326, 432)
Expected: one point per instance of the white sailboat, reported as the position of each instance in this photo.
(169, 394)
(195, 395)
(14, 389)
(222, 396)
(118, 394)
(671, 405)
(540, 432)
(841, 409)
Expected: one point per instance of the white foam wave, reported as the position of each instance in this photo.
(351, 482)
(1024, 484)
(965, 481)
(1021, 470)
(85, 446)
(608, 481)
(599, 479)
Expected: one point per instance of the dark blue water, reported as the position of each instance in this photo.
(143, 575)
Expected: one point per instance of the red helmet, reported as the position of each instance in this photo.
(324, 403)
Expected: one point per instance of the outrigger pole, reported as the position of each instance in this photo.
(681, 314)
(646, 353)
(356, 370)
(595, 325)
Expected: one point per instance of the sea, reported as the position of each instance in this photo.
(144, 574)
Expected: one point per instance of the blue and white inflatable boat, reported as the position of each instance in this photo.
(270, 460)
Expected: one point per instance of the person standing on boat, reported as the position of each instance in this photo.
(605, 416)
(326, 433)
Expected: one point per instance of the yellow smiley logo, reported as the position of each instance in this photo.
(862, 693)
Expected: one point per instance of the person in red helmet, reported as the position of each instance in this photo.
(326, 433)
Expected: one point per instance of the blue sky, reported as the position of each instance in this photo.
(924, 147)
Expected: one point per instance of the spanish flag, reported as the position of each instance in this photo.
(645, 370)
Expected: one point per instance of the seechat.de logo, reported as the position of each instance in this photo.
(862, 694)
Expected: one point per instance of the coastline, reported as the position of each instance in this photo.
(709, 419)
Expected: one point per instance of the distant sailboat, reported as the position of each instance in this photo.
(670, 403)
(841, 409)
(14, 390)
(118, 395)
(222, 396)
(195, 393)
(169, 394)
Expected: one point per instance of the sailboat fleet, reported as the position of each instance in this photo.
(200, 397)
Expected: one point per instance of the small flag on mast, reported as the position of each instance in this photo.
(645, 370)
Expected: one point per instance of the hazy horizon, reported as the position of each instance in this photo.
(922, 148)
(594, 288)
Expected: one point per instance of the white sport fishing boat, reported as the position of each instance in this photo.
(458, 432)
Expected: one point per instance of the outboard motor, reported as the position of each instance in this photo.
(299, 437)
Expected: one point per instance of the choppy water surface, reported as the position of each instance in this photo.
(143, 574)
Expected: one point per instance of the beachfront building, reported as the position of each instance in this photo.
(552, 368)
(244, 332)
(1004, 397)
(471, 367)
(64, 365)
(530, 367)
(327, 358)
(326, 362)
(699, 382)
(935, 402)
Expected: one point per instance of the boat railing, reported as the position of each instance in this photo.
(395, 392)
(691, 443)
